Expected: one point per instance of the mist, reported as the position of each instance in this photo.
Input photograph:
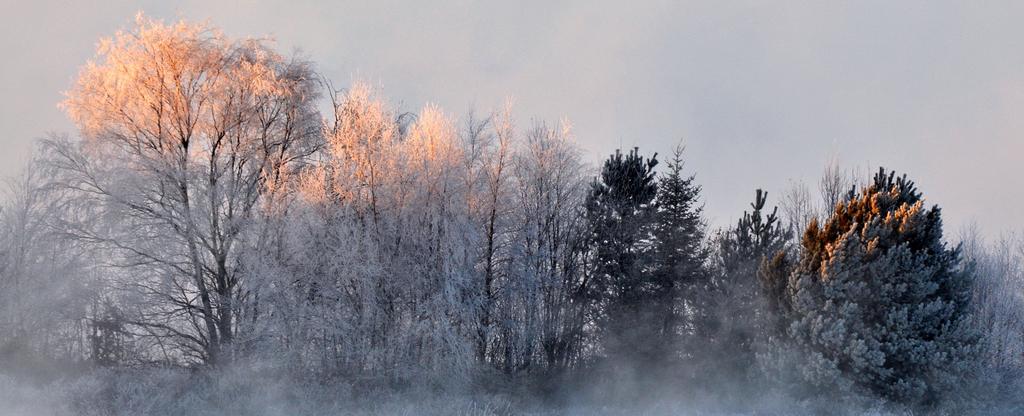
(227, 230)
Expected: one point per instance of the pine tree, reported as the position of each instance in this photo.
(755, 236)
(620, 210)
(878, 303)
(740, 310)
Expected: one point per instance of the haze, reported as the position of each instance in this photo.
(760, 94)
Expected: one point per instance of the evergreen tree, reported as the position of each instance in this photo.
(878, 303)
(755, 236)
(620, 210)
(740, 312)
(680, 280)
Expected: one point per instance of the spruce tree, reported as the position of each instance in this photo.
(680, 279)
(619, 210)
(878, 303)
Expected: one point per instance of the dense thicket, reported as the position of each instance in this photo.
(215, 215)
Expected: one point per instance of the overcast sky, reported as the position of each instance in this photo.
(761, 94)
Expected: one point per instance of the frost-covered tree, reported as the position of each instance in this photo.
(488, 146)
(540, 310)
(185, 134)
(376, 270)
(834, 184)
(998, 297)
(407, 250)
(877, 301)
(48, 287)
(797, 207)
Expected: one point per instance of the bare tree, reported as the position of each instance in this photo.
(184, 132)
(47, 286)
(834, 185)
(797, 208)
(377, 274)
(539, 317)
(998, 294)
(488, 146)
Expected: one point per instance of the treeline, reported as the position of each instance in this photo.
(211, 213)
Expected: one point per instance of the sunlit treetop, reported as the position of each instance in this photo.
(887, 213)
(162, 90)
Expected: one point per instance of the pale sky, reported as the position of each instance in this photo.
(760, 93)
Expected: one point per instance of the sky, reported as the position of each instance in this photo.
(762, 95)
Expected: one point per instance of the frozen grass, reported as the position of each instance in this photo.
(160, 392)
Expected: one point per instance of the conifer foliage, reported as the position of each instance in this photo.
(878, 302)
(740, 310)
(680, 279)
(620, 210)
(219, 232)
(755, 236)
